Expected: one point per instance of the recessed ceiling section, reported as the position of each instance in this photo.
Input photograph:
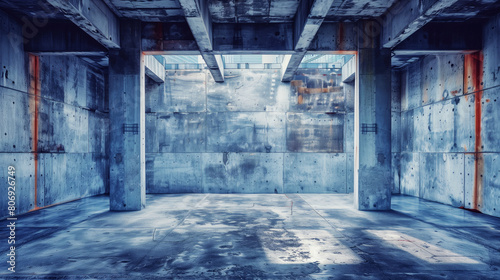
(148, 10)
(253, 11)
(356, 9)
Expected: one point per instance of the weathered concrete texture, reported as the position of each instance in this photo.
(439, 127)
(313, 132)
(318, 90)
(214, 236)
(349, 172)
(243, 173)
(247, 91)
(349, 133)
(62, 128)
(65, 177)
(372, 139)
(489, 174)
(491, 43)
(12, 57)
(180, 132)
(447, 126)
(314, 173)
(174, 173)
(396, 173)
(442, 178)
(246, 132)
(251, 112)
(183, 91)
(24, 164)
(72, 127)
(490, 114)
(16, 132)
(127, 121)
(410, 174)
(432, 79)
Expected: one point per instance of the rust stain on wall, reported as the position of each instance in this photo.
(34, 68)
(473, 83)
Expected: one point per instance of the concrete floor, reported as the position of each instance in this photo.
(214, 236)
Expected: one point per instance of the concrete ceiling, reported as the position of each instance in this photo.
(257, 14)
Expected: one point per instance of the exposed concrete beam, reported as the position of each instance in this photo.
(200, 23)
(255, 38)
(308, 19)
(94, 17)
(61, 37)
(443, 36)
(163, 37)
(406, 17)
(154, 69)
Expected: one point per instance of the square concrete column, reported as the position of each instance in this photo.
(127, 121)
(372, 132)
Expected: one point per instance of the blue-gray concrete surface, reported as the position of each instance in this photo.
(251, 236)
(71, 156)
(248, 134)
(440, 159)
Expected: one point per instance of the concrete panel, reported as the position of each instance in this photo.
(98, 133)
(317, 90)
(469, 180)
(181, 132)
(349, 133)
(450, 76)
(16, 127)
(407, 131)
(14, 60)
(185, 91)
(95, 175)
(246, 132)
(349, 172)
(464, 124)
(442, 178)
(243, 173)
(349, 95)
(410, 174)
(62, 128)
(247, 90)
(24, 164)
(77, 84)
(395, 131)
(441, 127)
(51, 77)
(396, 172)
(174, 173)
(396, 91)
(413, 86)
(422, 123)
(152, 145)
(63, 182)
(490, 127)
(95, 87)
(491, 59)
(313, 132)
(314, 173)
(429, 67)
(490, 176)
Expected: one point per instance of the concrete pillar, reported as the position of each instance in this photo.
(127, 121)
(372, 132)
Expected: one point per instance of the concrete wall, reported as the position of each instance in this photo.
(250, 134)
(68, 160)
(450, 134)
